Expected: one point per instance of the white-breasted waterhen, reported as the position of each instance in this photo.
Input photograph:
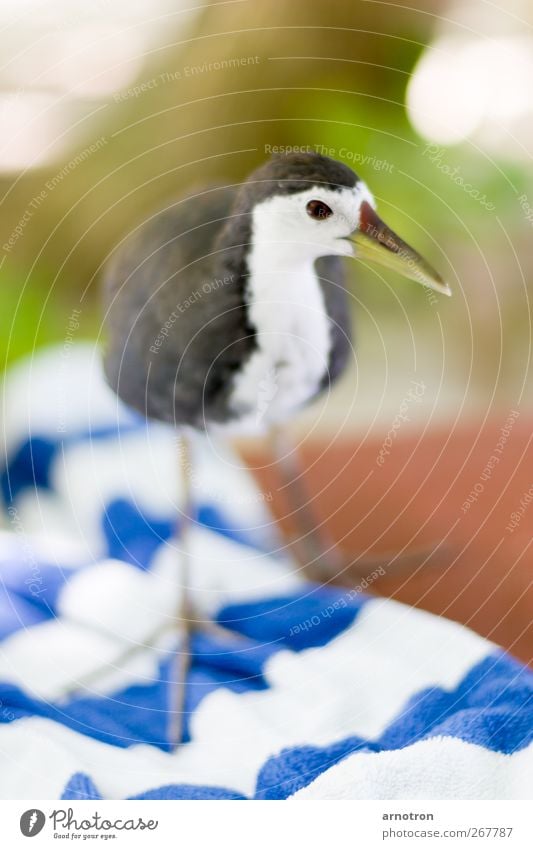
(229, 309)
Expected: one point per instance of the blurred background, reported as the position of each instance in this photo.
(109, 109)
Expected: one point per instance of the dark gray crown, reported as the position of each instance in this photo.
(296, 172)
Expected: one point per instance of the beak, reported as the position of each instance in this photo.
(377, 243)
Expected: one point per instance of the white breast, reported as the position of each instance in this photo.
(288, 312)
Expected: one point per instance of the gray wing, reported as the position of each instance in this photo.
(172, 301)
(332, 279)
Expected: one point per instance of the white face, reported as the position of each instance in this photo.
(312, 223)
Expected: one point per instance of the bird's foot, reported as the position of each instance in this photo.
(397, 562)
(182, 659)
(337, 565)
(179, 670)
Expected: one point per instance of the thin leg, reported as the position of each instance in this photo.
(186, 623)
(319, 556)
(317, 553)
(182, 656)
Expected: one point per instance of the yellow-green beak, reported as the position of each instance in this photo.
(378, 243)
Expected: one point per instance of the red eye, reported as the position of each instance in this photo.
(318, 209)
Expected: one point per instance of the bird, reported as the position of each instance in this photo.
(227, 310)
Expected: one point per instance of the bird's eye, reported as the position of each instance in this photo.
(318, 209)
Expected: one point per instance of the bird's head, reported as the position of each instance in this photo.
(307, 205)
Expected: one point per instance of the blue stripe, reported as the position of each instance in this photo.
(80, 786)
(491, 707)
(133, 536)
(34, 581)
(30, 464)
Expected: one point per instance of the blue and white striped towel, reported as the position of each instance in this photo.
(327, 694)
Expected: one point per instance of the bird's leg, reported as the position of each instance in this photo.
(319, 556)
(186, 619)
(186, 622)
(182, 655)
(314, 550)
